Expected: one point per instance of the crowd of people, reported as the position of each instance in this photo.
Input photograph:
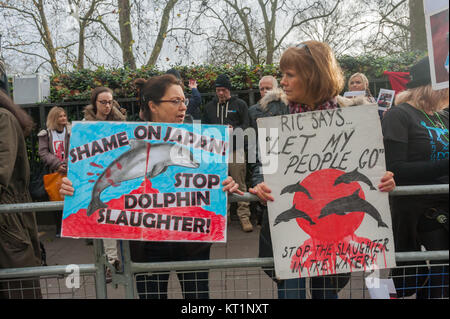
(415, 134)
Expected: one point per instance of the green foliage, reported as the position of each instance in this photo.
(77, 85)
(373, 67)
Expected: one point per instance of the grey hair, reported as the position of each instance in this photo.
(270, 77)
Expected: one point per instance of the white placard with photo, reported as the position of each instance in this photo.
(436, 23)
(385, 99)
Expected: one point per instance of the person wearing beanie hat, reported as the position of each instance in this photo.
(416, 141)
(229, 110)
(195, 99)
(223, 81)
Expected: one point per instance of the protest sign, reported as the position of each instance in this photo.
(436, 22)
(385, 99)
(147, 181)
(350, 94)
(328, 216)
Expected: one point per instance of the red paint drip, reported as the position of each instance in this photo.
(119, 166)
(90, 174)
(333, 258)
(91, 181)
(112, 183)
(146, 165)
(95, 165)
(108, 173)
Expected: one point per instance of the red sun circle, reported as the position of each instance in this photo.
(332, 227)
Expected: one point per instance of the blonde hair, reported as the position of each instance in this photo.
(52, 117)
(424, 98)
(364, 79)
(321, 76)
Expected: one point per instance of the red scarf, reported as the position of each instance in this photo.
(300, 108)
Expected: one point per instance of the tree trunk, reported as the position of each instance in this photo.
(417, 25)
(126, 36)
(46, 37)
(81, 38)
(162, 33)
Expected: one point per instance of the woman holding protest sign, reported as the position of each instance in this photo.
(104, 108)
(416, 139)
(312, 80)
(162, 100)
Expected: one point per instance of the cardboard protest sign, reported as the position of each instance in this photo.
(328, 216)
(436, 22)
(147, 181)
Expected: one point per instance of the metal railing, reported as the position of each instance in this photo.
(126, 277)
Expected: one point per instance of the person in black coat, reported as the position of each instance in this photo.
(232, 111)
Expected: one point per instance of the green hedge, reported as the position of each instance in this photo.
(77, 85)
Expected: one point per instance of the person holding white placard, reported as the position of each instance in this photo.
(312, 80)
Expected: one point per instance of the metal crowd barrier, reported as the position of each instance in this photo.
(244, 266)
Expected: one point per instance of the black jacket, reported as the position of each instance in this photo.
(234, 113)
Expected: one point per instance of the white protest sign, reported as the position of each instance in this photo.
(350, 94)
(385, 99)
(328, 216)
(436, 23)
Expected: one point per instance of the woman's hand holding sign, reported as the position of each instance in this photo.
(387, 183)
(66, 187)
(262, 191)
(231, 186)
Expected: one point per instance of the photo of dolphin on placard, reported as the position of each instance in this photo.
(142, 159)
(353, 203)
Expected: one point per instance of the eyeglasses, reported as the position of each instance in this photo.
(106, 102)
(175, 103)
(304, 45)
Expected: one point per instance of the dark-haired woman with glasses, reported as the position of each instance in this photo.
(104, 108)
(162, 100)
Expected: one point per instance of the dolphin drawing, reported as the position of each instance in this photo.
(354, 176)
(294, 188)
(291, 214)
(143, 159)
(353, 203)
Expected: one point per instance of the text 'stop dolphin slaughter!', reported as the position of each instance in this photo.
(147, 181)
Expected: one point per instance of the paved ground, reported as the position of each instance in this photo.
(230, 283)
(64, 251)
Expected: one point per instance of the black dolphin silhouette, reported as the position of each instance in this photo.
(354, 176)
(294, 188)
(353, 203)
(292, 213)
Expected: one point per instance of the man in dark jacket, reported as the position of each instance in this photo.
(232, 111)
